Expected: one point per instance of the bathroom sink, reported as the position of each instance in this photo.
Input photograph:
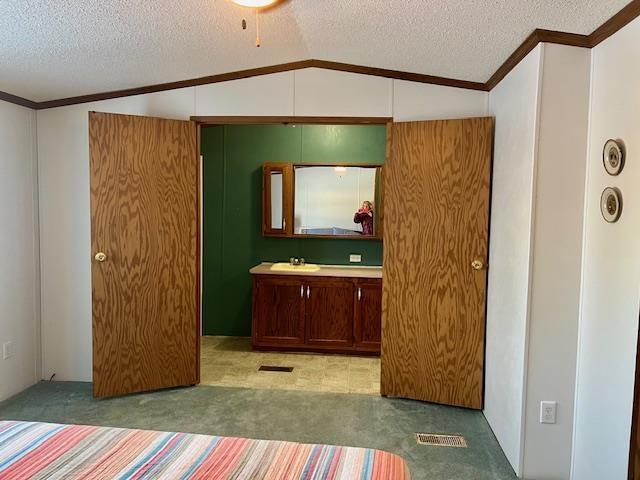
(287, 267)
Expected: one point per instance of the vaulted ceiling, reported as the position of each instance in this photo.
(53, 49)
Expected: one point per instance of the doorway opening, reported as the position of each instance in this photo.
(233, 153)
(157, 285)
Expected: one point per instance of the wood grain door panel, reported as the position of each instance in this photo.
(436, 191)
(368, 318)
(286, 170)
(144, 204)
(279, 311)
(634, 447)
(329, 312)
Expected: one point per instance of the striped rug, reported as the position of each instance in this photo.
(50, 451)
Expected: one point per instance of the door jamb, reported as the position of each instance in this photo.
(634, 440)
(274, 120)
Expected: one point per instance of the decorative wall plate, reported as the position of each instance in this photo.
(611, 204)
(613, 156)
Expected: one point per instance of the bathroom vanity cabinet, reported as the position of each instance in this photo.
(317, 313)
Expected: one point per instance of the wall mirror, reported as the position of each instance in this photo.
(312, 200)
(278, 222)
(335, 201)
(276, 199)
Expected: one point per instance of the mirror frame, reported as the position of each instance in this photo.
(289, 200)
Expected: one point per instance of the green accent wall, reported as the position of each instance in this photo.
(232, 209)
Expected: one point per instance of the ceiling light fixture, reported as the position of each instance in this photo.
(254, 3)
(257, 5)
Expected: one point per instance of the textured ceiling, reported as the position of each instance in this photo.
(53, 49)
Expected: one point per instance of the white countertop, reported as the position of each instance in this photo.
(325, 271)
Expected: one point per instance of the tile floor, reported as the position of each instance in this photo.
(230, 362)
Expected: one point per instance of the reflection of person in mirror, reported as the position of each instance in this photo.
(364, 216)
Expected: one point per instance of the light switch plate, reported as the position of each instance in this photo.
(548, 411)
(7, 350)
(354, 258)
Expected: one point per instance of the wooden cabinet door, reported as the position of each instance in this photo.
(278, 311)
(277, 199)
(329, 312)
(144, 237)
(368, 318)
(436, 216)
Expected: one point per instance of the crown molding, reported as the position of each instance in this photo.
(615, 23)
(266, 120)
(611, 26)
(255, 72)
(398, 75)
(23, 102)
(222, 77)
(537, 36)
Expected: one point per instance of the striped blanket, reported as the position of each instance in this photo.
(50, 451)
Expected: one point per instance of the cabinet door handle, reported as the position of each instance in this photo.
(301, 291)
(308, 292)
(359, 293)
(284, 223)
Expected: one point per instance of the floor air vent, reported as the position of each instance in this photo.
(271, 368)
(440, 440)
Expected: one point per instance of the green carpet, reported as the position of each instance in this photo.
(338, 419)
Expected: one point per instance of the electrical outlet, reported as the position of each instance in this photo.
(7, 350)
(354, 258)
(548, 412)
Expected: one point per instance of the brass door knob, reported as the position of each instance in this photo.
(477, 265)
(100, 257)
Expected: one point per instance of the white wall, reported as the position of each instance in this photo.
(63, 159)
(556, 259)
(514, 103)
(420, 101)
(272, 94)
(19, 281)
(541, 111)
(329, 93)
(611, 276)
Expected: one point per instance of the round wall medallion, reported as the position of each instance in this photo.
(613, 156)
(611, 204)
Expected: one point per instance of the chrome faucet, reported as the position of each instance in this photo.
(296, 261)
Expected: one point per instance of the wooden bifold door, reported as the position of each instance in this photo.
(144, 204)
(436, 223)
